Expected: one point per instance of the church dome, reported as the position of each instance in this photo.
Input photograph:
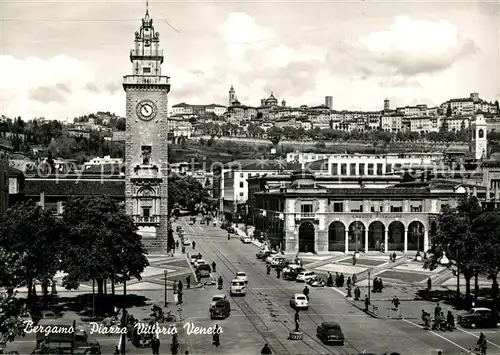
(271, 100)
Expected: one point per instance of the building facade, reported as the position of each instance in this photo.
(318, 219)
(146, 137)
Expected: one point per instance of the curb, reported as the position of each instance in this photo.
(362, 308)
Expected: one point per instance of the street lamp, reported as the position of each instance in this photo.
(417, 231)
(165, 274)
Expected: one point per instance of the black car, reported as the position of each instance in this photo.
(292, 273)
(231, 230)
(263, 254)
(330, 333)
(219, 307)
(204, 270)
(479, 317)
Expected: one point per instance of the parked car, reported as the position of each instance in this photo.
(194, 258)
(204, 270)
(186, 242)
(219, 307)
(305, 275)
(240, 275)
(271, 257)
(330, 333)
(264, 253)
(299, 301)
(278, 261)
(291, 271)
(238, 287)
(246, 239)
(230, 230)
(316, 282)
(479, 317)
(199, 262)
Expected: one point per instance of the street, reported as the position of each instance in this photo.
(264, 314)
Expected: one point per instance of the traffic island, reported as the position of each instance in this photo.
(296, 335)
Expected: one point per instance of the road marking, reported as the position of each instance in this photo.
(436, 334)
(337, 290)
(477, 336)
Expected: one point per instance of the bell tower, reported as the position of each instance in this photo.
(479, 142)
(146, 164)
(232, 96)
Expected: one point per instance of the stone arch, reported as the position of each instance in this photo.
(306, 237)
(396, 238)
(416, 236)
(357, 236)
(376, 236)
(336, 236)
(480, 133)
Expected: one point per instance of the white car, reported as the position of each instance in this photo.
(246, 239)
(299, 301)
(237, 287)
(304, 276)
(271, 257)
(241, 276)
(199, 262)
(186, 242)
(277, 260)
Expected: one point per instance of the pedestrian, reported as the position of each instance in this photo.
(188, 281)
(367, 303)
(329, 281)
(278, 270)
(380, 285)
(179, 298)
(155, 345)
(183, 249)
(297, 320)
(395, 302)
(194, 244)
(429, 284)
(337, 279)
(213, 266)
(175, 344)
(349, 282)
(174, 286)
(354, 259)
(437, 311)
(216, 338)
(375, 285)
(176, 244)
(268, 267)
(357, 293)
(180, 286)
(342, 279)
(394, 256)
(306, 292)
(354, 279)
(266, 350)
(349, 293)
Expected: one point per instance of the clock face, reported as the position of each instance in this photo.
(146, 110)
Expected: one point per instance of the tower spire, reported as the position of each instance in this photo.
(147, 7)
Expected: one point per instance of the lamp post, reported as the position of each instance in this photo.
(165, 274)
(369, 288)
(417, 231)
(445, 262)
(124, 319)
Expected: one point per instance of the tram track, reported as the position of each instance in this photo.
(316, 343)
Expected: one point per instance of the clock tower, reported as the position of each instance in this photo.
(479, 141)
(146, 147)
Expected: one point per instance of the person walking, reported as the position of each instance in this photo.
(155, 345)
(395, 302)
(482, 343)
(216, 337)
(188, 281)
(437, 311)
(329, 281)
(429, 284)
(354, 279)
(341, 280)
(268, 267)
(306, 292)
(354, 259)
(297, 320)
(394, 256)
(174, 286)
(213, 266)
(349, 281)
(194, 244)
(266, 350)
(367, 303)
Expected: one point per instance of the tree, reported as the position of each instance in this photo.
(11, 324)
(27, 232)
(101, 242)
(274, 135)
(456, 238)
(186, 192)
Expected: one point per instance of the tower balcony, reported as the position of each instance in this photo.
(162, 82)
(146, 54)
(146, 220)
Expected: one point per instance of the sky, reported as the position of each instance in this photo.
(61, 59)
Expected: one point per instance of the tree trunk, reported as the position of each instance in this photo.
(113, 284)
(45, 293)
(100, 288)
(467, 291)
(30, 289)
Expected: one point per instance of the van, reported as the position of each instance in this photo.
(238, 287)
(69, 338)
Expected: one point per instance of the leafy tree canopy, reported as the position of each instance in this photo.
(186, 192)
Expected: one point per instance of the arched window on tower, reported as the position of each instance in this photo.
(480, 133)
